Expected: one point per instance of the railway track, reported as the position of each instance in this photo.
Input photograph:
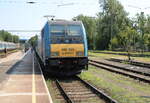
(124, 54)
(123, 71)
(136, 63)
(76, 90)
(129, 68)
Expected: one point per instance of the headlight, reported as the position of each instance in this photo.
(80, 53)
(54, 53)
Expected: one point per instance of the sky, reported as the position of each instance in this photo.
(18, 15)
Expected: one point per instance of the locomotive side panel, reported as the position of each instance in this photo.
(85, 42)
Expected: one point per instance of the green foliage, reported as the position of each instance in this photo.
(113, 44)
(147, 42)
(141, 20)
(113, 29)
(147, 25)
(6, 36)
(15, 38)
(110, 22)
(33, 41)
(90, 27)
(127, 39)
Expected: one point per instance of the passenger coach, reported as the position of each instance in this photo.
(8, 46)
(62, 47)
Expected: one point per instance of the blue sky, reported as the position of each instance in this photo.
(16, 14)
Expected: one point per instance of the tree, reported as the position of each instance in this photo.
(8, 37)
(114, 44)
(141, 20)
(126, 39)
(90, 27)
(33, 41)
(110, 22)
(147, 25)
(147, 41)
(15, 38)
(113, 29)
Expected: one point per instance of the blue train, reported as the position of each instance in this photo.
(62, 47)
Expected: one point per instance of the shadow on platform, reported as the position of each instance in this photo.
(24, 66)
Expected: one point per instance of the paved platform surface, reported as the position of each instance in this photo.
(25, 83)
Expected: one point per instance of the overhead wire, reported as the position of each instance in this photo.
(56, 4)
(44, 2)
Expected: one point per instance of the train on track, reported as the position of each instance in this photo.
(7, 46)
(62, 47)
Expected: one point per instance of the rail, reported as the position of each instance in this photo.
(122, 72)
(101, 95)
(122, 68)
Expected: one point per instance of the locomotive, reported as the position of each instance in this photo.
(62, 47)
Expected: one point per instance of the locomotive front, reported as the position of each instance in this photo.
(67, 48)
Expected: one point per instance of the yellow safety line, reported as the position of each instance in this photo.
(48, 93)
(33, 83)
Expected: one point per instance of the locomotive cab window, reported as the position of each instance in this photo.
(74, 30)
(57, 30)
(66, 33)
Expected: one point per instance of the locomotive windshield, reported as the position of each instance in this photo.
(57, 29)
(66, 34)
(70, 30)
(74, 30)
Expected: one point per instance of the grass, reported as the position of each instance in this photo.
(52, 91)
(121, 88)
(145, 53)
(108, 56)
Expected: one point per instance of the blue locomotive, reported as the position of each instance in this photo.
(62, 47)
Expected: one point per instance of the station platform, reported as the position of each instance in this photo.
(25, 83)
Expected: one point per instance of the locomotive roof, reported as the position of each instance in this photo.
(64, 22)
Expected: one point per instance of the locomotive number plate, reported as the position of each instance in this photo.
(67, 49)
